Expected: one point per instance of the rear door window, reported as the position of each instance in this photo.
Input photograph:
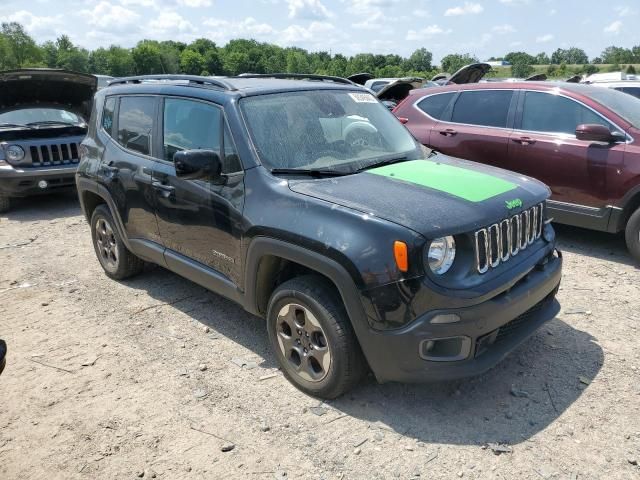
(136, 123)
(544, 112)
(435, 105)
(489, 108)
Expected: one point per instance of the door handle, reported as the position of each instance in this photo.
(524, 140)
(166, 191)
(449, 132)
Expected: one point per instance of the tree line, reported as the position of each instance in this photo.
(203, 57)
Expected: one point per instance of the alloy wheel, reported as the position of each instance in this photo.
(106, 242)
(303, 343)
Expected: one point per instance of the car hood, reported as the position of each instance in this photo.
(47, 87)
(434, 197)
(399, 89)
(360, 78)
(469, 74)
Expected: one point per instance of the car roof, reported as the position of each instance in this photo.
(225, 86)
(576, 88)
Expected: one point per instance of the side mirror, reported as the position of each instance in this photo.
(197, 164)
(596, 133)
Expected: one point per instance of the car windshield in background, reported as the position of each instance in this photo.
(43, 116)
(325, 130)
(627, 106)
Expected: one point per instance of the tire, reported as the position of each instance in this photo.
(632, 235)
(114, 257)
(312, 337)
(5, 204)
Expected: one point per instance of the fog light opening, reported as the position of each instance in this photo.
(450, 349)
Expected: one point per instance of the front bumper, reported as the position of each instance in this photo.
(491, 329)
(23, 182)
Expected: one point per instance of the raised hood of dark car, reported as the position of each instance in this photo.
(47, 87)
(400, 88)
(471, 73)
(434, 197)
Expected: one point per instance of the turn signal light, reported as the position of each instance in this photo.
(401, 255)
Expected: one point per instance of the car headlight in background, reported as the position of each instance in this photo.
(441, 254)
(14, 153)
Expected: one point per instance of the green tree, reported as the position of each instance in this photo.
(590, 69)
(571, 55)
(521, 58)
(22, 48)
(542, 59)
(454, 62)
(147, 58)
(631, 70)
(191, 62)
(419, 60)
(521, 69)
(617, 55)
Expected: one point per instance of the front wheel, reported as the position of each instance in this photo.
(632, 235)
(116, 260)
(313, 339)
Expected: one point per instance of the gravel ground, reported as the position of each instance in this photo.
(155, 377)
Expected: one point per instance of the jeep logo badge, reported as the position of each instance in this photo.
(511, 204)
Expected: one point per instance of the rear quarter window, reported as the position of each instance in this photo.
(489, 108)
(108, 115)
(436, 105)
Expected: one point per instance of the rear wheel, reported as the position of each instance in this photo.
(4, 204)
(116, 260)
(313, 339)
(632, 235)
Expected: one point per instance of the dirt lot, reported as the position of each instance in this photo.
(144, 378)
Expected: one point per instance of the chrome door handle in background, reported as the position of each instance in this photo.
(449, 132)
(524, 140)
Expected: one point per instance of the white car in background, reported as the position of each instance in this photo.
(621, 81)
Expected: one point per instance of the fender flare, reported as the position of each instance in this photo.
(623, 211)
(85, 185)
(336, 273)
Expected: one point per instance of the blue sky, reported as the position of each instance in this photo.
(483, 28)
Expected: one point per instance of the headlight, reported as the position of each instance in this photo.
(14, 153)
(441, 254)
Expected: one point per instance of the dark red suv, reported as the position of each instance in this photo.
(582, 141)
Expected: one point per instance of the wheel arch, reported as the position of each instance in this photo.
(267, 258)
(629, 204)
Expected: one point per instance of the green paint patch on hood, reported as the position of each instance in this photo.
(465, 183)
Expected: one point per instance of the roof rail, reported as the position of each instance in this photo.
(298, 76)
(193, 79)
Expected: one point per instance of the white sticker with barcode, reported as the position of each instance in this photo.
(363, 98)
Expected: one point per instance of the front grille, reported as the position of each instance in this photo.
(54, 154)
(501, 241)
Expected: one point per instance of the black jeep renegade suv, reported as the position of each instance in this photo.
(308, 203)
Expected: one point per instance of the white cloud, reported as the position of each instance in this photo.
(544, 38)
(613, 27)
(373, 22)
(515, 2)
(426, 32)
(466, 9)
(45, 26)
(625, 11)
(503, 29)
(310, 9)
(139, 3)
(170, 21)
(297, 33)
(248, 27)
(195, 3)
(107, 16)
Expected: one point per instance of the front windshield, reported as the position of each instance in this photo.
(27, 116)
(325, 129)
(626, 106)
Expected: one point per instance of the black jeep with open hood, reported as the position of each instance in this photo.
(43, 119)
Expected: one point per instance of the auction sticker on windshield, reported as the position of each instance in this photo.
(363, 98)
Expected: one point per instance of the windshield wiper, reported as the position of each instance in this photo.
(386, 161)
(312, 172)
(15, 125)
